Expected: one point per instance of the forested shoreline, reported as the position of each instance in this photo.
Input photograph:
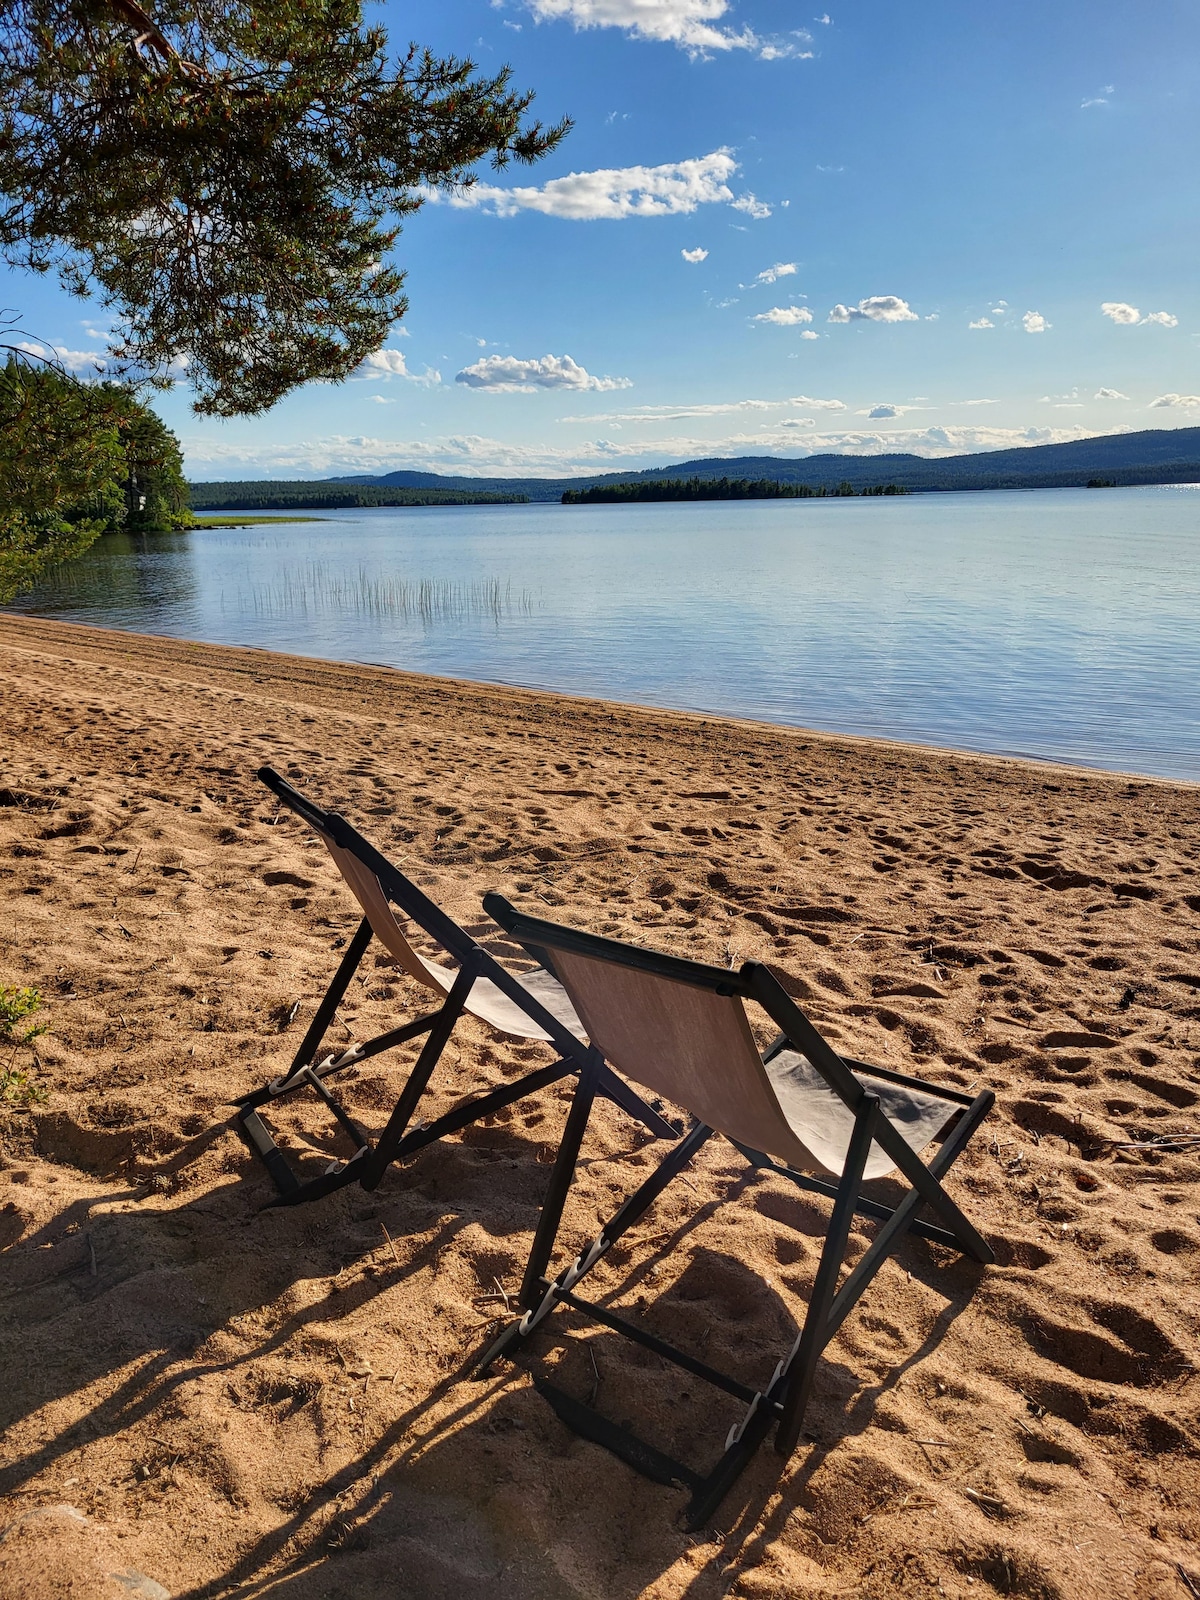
(318, 496)
(718, 489)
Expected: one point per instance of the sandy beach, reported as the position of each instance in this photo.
(232, 1401)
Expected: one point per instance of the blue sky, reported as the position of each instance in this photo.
(775, 230)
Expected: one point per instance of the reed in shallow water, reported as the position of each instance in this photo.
(317, 590)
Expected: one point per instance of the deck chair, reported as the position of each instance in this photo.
(521, 1005)
(799, 1109)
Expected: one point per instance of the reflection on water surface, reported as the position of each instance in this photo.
(1055, 623)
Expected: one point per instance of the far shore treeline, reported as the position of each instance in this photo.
(288, 496)
(717, 489)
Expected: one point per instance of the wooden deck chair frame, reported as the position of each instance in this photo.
(783, 1399)
(378, 885)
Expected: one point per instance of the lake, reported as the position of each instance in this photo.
(1052, 623)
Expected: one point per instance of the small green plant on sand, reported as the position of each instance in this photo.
(17, 1084)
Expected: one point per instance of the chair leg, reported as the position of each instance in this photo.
(376, 1164)
(558, 1188)
(972, 1241)
(802, 1365)
(540, 1298)
(319, 1025)
(926, 1180)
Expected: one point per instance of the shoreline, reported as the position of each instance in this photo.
(235, 1399)
(140, 643)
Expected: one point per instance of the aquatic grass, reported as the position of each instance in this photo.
(318, 590)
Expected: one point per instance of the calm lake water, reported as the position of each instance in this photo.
(1051, 623)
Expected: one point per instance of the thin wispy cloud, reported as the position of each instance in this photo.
(875, 308)
(509, 375)
(692, 25)
(477, 454)
(648, 414)
(676, 188)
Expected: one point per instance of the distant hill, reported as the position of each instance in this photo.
(406, 480)
(1159, 455)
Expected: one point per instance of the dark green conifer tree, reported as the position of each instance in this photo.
(229, 177)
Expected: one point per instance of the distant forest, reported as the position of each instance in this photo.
(717, 489)
(328, 497)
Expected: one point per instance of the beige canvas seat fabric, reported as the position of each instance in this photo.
(485, 1001)
(694, 1047)
(825, 1122)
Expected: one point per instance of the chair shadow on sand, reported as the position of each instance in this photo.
(146, 1288)
(442, 1503)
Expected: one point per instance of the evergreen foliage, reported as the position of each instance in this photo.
(275, 496)
(228, 176)
(77, 460)
(715, 489)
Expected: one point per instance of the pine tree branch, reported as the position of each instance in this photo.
(149, 33)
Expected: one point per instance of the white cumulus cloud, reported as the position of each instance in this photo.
(1034, 322)
(1127, 316)
(385, 363)
(1186, 401)
(693, 25)
(875, 308)
(752, 206)
(785, 316)
(391, 364)
(673, 189)
(695, 255)
(508, 375)
(809, 334)
(1109, 394)
(781, 269)
(90, 361)
(982, 322)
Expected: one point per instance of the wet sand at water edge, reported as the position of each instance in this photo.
(235, 1401)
